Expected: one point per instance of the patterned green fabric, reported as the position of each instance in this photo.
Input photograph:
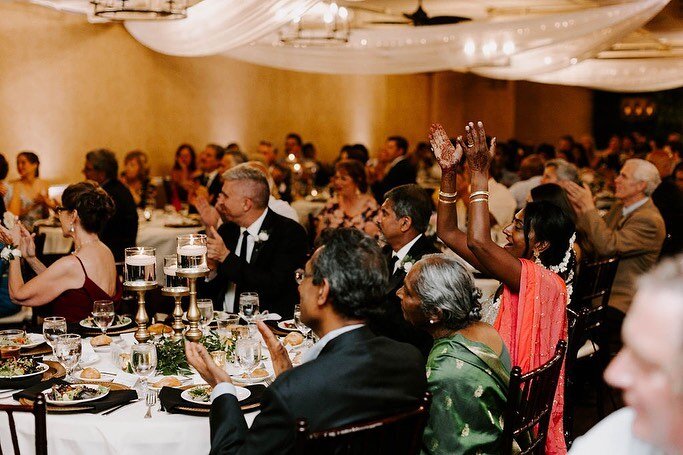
(469, 385)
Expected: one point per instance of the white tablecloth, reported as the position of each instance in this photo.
(151, 233)
(124, 432)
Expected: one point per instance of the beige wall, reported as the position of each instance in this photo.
(67, 86)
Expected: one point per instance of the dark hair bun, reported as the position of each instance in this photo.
(94, 206)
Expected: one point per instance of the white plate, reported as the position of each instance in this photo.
(101, 348)
(34, 339)
(70, 402)
(89, 324)
(88, 359)
(242, 394)
(106, 377)
(42, 368)
(183, 381)
(241, 380)
(283, 325)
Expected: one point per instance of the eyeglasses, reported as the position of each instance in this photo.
(300, 275)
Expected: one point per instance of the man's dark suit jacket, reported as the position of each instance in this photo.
(271, 269)
(214, 189)
(401, 173)
(669, 200)
(121, 230)
(392, 324)
(357, 376)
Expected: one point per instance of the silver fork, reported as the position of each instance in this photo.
(151, 400)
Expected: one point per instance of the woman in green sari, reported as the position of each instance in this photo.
(468, 368)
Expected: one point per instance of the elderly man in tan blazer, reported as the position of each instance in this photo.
(633, 228)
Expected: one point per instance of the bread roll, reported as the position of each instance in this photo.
(100, 340)
(90, 373)
(294, 339)
(259, 373)
(167, 382)
(159, 329)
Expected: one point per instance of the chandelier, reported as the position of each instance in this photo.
(140, 9)
(323, 25)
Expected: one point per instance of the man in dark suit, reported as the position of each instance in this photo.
(281, 173)
(121, 230)
(403, 220)
(255, 249)
(350, 375)
(209, 164)
(398, 170)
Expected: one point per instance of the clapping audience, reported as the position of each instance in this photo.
(28, 198)
(135, 176)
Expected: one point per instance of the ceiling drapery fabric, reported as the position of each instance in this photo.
(215, 26)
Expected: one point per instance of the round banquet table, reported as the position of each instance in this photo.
(124, 432)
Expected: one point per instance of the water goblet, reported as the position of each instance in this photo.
(103, 314)
(53, 326)
(248, 306)
(68, 351)
(248, 354)
(143, 360)
(205, 314)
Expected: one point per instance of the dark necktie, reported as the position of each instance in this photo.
(243, 247)
(204, 179)
(392, 264)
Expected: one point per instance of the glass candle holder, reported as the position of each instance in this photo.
(191, 253)
(173, 282)
(140, 268)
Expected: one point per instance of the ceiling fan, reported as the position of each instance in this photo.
(418, 18)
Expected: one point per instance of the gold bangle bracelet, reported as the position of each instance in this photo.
(479, 193)
(441, 193)
(443, 201)
(480, 199)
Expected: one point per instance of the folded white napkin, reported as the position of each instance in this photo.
(129, 338)
(126, 379)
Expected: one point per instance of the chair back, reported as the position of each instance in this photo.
(398, 434)
(593, 284)
(530, 402)
(38, 410)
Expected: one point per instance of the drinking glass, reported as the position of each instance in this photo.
(103, 314)
(248, 306)
(143, 359)
(248, 354)
(205, 313)
(173, 281)
(191, 252)
(68, 351)
(303, 328)
(141, 266)
(53, 327)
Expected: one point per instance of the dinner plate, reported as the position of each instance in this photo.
(72, 402)
(33, 340)
(250, 380)
(106, 377)
(242, 394)
(42, 368)
(287, 325)
(89, 324)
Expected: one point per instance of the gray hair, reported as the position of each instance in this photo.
(444, 283)
(104, 160)
(414, 202)
(564, 169)
(253, 182)
(645, 172)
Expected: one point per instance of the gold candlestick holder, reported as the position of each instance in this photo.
(177, 293)
(141, 318)
(193, 316)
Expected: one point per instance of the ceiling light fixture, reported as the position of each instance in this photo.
(125, 10)
(325, 24)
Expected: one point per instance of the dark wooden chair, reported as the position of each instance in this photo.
(38, 410)
(588, 347)
(530, 401)
(398, 434)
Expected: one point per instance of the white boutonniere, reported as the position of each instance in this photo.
(407, 264)
(263, 236)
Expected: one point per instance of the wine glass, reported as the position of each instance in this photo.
(248, 354)
(103, 314)
(143, 359)
(53, 326)
(68, 351)
(248, 306)
(303, 328)
(205, 313)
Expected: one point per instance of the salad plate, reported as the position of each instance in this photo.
(201, 394)
(71, 394)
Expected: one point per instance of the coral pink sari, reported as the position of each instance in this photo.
(531, 323)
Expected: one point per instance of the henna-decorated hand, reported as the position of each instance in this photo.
(479, 155)
(446, 154)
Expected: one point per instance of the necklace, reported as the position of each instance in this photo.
(84, 244)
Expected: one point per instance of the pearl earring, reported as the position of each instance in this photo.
(72, 229)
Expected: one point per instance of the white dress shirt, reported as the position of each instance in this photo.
(210, 178)
(312, 354)
(626, 211)
(403, 252)
(253, 229)
(521, 190)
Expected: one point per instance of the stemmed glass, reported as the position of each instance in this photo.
(303, 328)
(248, 306)
(143, 359)
(205, 313)
(103, 314)
(53, 326)
(68, 351)
(248, 353)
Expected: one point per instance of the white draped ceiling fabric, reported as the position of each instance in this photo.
(560, 48)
